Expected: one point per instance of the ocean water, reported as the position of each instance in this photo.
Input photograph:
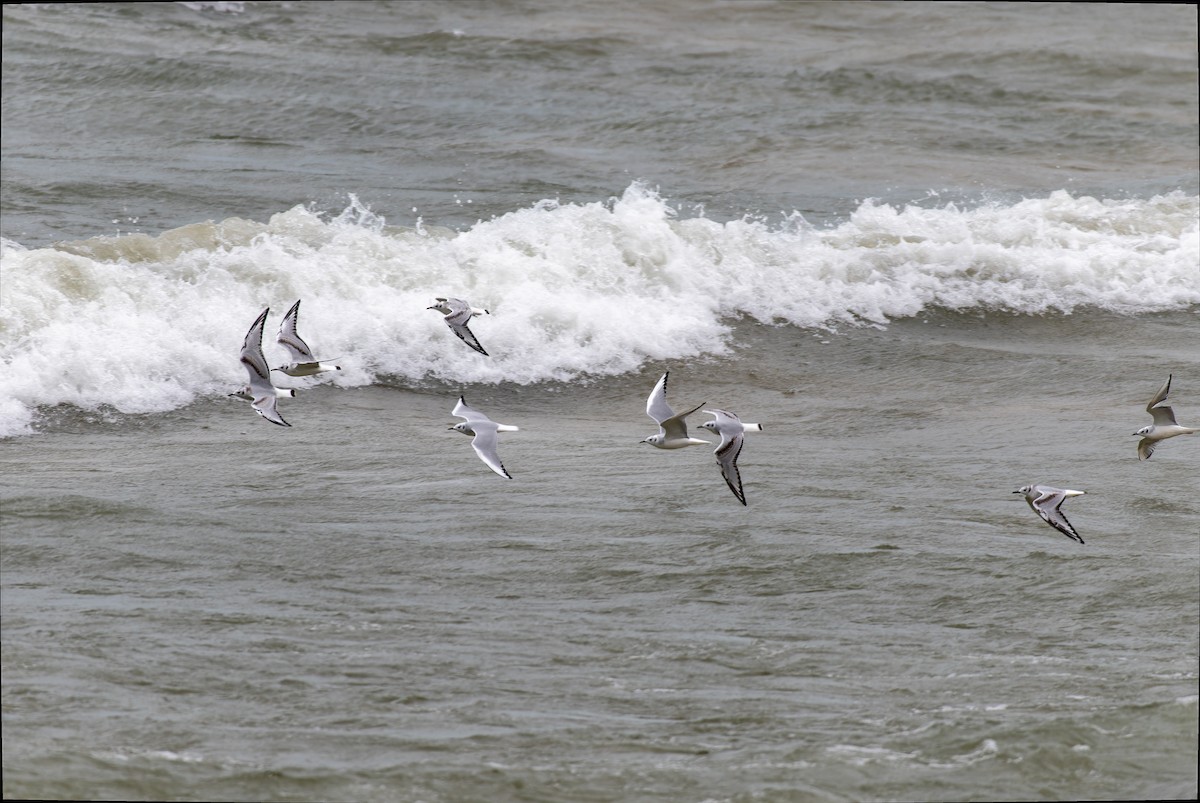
(939, 251)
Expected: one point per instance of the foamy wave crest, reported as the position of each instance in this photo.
(145, 324)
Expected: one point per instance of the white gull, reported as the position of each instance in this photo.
(262, 394)
(732, 431)
(457, 313)
(1164, 425)
(303, 362)
(484, 431)
(672, 429)
(1046, 502)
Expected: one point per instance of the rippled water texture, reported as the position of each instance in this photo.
(939, 251)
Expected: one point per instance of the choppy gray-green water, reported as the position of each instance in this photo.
(939, 251)
(195, 608)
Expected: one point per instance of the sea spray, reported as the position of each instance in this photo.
(145, 323)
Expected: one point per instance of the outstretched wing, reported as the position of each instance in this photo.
(675, 427)
(290, 339)
(1163, 416)
(1048, 505)
(463, 410)
(1160, 396)
(252, 357)
(656, 404)
(1146, 448)
(459, 312)
(485, 444)
(727, 454)
(267, 407)
(264, 398)
(466, 335)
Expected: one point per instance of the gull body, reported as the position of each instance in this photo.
(484, 435)
(732, 432)
(1164, 425)
(1047, 503)
(672, 429)
(246, 394)
(263, 395)
(303, 363)
(458, 312)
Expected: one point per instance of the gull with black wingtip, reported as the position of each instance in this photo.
(303, 362)
(672, 429)
(1047, 503)
(1164, 425)
(732, 432)
(484, 435)
(458, 312)
(262, 393)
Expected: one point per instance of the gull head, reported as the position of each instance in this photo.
(1145, 430)
(654, 440)
(463, 427)
(710, 425)
(1024, 489)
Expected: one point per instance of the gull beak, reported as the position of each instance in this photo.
(1016, 492)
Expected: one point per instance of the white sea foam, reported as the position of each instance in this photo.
(150, 323)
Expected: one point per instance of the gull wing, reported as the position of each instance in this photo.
(675, 427)
(290, 339)
(1163, 416)
(457, 317)
(485, 445)
(1160, 396)
(466, 335)
(267, 407)
(727, 454)
(1146, 448)
(455, 307)
(656, 405)
(263, 392)
(463, 410)
(1048, 505)
(252, 357)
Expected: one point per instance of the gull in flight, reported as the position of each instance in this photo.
(457, 313)
(303, 363)
(1046, 502)
(1164, 425)
(484, 431)
(244, 393)
(731, 429)
(262, 394)
(672, 429)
